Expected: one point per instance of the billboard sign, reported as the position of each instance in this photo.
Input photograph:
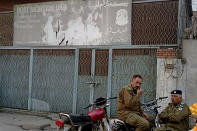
(72, 23)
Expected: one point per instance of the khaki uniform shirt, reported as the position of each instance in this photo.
(176, 117)
(128, 102)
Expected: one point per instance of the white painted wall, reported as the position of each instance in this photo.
(169, 79)
(194, 5)
(186, 75)
(82, 22)
(190, 54)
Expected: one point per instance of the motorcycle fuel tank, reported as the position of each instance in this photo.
(96, 114)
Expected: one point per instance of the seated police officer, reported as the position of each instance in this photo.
(175, 117)
(129, 109)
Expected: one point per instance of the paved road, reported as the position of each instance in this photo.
(20, 121)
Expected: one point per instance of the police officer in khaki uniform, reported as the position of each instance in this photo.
(129, 109)
(175, 117)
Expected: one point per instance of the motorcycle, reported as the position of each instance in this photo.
(96, 120)
(150, 108)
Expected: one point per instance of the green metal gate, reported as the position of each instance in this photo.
(103, 76)
(14, 72)
(67, 80)
(92, 81)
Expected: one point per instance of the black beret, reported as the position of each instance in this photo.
(176, 92)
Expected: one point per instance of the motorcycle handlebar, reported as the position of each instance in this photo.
(153, 102)
(160, 98)
(100, 102)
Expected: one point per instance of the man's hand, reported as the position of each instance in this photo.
(145, 115)
(139, 91)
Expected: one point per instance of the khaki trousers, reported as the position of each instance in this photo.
(164, 128)
(137, 121)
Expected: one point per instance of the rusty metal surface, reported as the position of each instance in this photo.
(6, 29)
(155, 23)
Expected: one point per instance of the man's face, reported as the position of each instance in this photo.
(176, 98)
(136, 83)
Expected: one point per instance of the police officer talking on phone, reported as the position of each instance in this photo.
(129, 109)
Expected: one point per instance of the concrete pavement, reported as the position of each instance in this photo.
(20, 120)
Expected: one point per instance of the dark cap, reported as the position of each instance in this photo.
(176, 92)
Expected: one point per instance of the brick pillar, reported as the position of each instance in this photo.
(167, 53)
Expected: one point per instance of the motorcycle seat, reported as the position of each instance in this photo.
(77, 119)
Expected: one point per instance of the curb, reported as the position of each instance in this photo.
(47, 115)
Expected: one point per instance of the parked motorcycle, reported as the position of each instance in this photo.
(151, 107)
(96, 120)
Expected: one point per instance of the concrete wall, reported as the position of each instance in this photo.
(183, 76)
(73, 22)
(169, 79)
(190, 54)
